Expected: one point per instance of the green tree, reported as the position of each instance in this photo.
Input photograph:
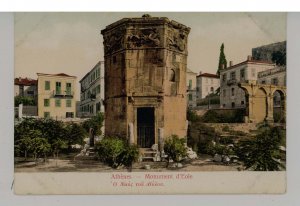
(222, 59)
(75, 134)
(26, 101)
(96, 123)
(40, 146)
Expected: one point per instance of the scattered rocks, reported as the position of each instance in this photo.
(217, 158)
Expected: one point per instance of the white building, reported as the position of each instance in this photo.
(231, 96)
(92, 91)
(275, 76)
(191, 88)
(207, 84)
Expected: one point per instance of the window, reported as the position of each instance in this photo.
(190, 97)
(68, 88)
(232, 91)
(274, 81)
(190, 84)
(211, 81)
(224, 93)
(69, 114)
(263, 81)
(232, 75)
(232, 104)
(30, 93)
(242, 73)
(58, 87)
(242, 102)
(172, 76)
(46, 114)
(211, 89)
(47, 85)
(98, 89)
(57, 102)
(68, 103)
(224, 105)
(114, 59)
(224, 77)
(46, 102)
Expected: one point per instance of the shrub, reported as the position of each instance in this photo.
(175, 149)
(96, 123)
(261, 153)
(129, 155)
(116, 152)
(226, 129)
(192, 116)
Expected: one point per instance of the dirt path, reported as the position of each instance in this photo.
(52, 165)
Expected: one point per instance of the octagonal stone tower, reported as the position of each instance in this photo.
(145, 79)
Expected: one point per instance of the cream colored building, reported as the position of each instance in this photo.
(207, 84)
(231, 95)
(56, 95)
(191, 88)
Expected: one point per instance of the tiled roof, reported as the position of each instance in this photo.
(25, 81)
(208, 75)
(60, 74)
(252, 61)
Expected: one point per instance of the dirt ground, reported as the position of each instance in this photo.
(203, 163)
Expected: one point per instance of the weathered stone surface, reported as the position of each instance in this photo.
(145, 67)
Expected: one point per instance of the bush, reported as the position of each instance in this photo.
(116, 152)
(96, 123)
(192, 116)
(175, 149)
(223, 116)
(129, 155)
(200, 136)
(262, 152)
(26, 101)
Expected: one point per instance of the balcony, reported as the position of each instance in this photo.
(231, 82)
(58, 93)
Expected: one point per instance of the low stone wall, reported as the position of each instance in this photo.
(244, 127)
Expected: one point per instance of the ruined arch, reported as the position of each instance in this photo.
(278, 97)
(260, 105)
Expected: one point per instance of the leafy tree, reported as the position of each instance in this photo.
(222, 59)
(75, 134)
(40, 146)
(262, 152)
(175, 149)
(96, 123)
(26, 101)
(58, 145)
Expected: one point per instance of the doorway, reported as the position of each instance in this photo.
(145, 127)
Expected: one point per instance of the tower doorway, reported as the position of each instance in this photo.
(145, 127)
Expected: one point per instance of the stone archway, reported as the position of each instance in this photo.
(260, 102)
(279, 106)
(260, 105)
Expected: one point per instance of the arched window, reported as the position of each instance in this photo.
(172, 76)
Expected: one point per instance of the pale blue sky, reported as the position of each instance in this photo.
(72, 43)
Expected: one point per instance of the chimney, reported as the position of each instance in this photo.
(230, 63)
(249, 57)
